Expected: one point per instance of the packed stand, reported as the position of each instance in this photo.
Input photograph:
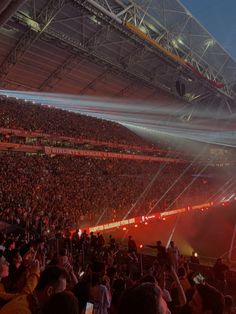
(88, 274)
(46, 270)
(47, 193)
(16, 114)
(42, 191)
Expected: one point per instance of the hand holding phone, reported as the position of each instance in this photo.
(89, 308)
(199, 279)
(81, 273)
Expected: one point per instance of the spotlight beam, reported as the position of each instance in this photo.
(148, 187)
(174, 183)
(186, 188)
(220, 189)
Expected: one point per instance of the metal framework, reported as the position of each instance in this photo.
(118, 64)
(97, 31)
(172, 25)
(44, 18)
(67, 66)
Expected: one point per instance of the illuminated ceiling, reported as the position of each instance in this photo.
(85, 48)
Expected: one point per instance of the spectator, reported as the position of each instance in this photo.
(118, 288)
(52, 280)
(229, 305)
(162, 256)
(173, 253)
(132, 249)
(145, 298)
(183, 280)
(9, 247)
(99, 296)
(220, 270)
(206, 299)
(29, 284)
(4, 267)
(62, 302)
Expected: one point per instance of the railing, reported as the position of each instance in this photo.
(48, 150)
(79, 140)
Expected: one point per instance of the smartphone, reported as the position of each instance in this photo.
(81, 274)
(198, 279)
(89, 308)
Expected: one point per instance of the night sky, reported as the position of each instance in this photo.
(219, 18)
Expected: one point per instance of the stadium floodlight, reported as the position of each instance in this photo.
(95, 20)
(32, 24)
(143, 29)
(209, 43)
(180, 41)
(175, 43)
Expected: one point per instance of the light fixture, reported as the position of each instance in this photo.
(175, 43)
(180, 41)
(94, 19)
(209, 42)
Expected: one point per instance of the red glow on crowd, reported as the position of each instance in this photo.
(143, 219)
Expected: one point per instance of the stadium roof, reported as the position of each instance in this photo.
(117, 48)
(189, 35)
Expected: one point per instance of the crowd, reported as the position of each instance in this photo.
(68, 191)
(88, 274)
(61, 191)
(43, 269)
(84, 144)
(16, 114)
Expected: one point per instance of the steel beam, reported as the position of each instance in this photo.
(74, 60)
(93, 82)
(44, 18)
(105, 11)
(10, 10)
(91, 52)
(158, 31)
(130, 57)
(124, 90)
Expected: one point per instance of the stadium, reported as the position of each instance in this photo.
(117, 147)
